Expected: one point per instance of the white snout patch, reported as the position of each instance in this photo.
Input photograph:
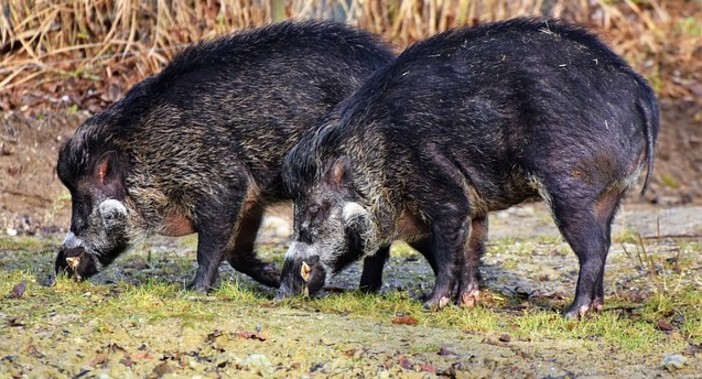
(112, 206)
(353, 210)
(71, 241)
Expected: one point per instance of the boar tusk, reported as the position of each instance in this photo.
(305, 271)
(73, 262)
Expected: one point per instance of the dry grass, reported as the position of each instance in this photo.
(50, 45)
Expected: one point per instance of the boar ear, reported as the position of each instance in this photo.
(339, 174)
(106, 170)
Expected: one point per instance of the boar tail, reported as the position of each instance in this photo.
(651, 119)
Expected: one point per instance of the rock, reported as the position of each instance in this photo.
(258, 363)
(674, 362)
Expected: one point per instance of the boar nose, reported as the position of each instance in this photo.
(73, 256)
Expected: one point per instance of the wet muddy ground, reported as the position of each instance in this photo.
(136, 320)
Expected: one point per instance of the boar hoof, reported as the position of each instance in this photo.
(432, 304)
(199, 288)
(577, 313)
(469, 299)
(597, 306)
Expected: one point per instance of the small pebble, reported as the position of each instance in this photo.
(258, 363)
(12, 232)
(674, 362)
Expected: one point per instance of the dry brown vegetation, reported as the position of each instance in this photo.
(86, 53)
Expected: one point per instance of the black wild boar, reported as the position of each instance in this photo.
(199, 146)
(464, 123)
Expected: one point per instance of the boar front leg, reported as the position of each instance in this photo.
(243, 257)
(216, 227)
(449, 231)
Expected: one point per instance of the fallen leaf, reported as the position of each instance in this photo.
(127, 361)
(143, 355)
(427, 367)
(14, 170)
(664, 325)
(404, 319)
(32, 350)
(693, 349)
(250, 336)
(113, 348)
(406, 364)
(213, 336)
(18, 290)
(99, 360)
(444, 351)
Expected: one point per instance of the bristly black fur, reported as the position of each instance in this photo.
(339, 125)
(299, 40)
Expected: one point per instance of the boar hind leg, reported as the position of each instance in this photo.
(243, 257)
(372, 276)
(605, 209)
(468, 289)
(585, 223)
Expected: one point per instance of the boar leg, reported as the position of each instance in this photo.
(450, 234)
(423, 246)
(210, 250)
(605, 209)
(215, 236)
(372, 276)
(585, 223)
(468, 289)
(243, 257)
